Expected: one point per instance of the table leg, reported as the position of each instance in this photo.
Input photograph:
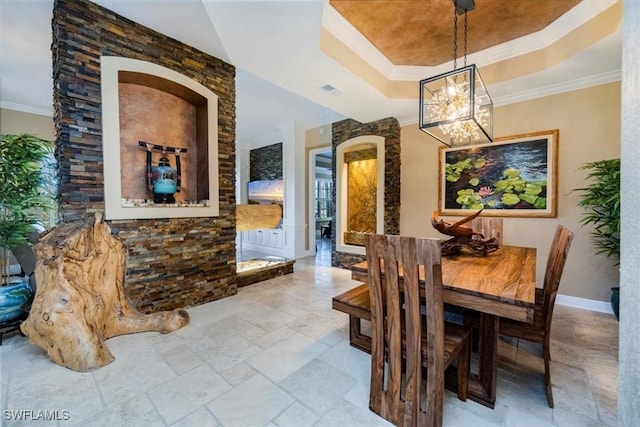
(488, 352)
(482, 385)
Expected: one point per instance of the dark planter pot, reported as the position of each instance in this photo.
(615, 301)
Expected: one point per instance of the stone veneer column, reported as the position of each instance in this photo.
(266, 162)
(176, 262)
(388, 128)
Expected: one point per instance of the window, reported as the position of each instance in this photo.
(324, 198)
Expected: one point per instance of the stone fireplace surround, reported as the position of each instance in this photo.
(172, 262)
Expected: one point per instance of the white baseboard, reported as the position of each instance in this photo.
(585, 304)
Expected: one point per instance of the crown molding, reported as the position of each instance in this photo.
(26, 108)
(408, 120)
(342, 29)
(554, 89)
(541, 92)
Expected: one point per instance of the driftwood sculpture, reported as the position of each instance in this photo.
(254, 216)
(80, 302)
(463, 236)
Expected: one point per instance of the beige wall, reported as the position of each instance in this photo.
(589, 125)
(16, 122)
(319, 137)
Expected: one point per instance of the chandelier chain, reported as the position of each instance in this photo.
(466, 27)
(455, 38)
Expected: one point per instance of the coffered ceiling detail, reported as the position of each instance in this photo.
(420, 32)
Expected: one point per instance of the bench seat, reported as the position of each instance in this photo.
(356, 303)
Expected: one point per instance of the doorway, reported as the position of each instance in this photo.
(321, 201)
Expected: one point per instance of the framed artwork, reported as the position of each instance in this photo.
(515, 176)
(266, 192)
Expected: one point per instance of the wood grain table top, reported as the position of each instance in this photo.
(502, 283)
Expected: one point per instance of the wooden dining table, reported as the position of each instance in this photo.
(500, 284)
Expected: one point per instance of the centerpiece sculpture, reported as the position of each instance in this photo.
(463, 236)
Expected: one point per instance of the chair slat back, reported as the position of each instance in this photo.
(489, 227)
(555, 266)
(429, 258)
(396, 306)
(385, 321)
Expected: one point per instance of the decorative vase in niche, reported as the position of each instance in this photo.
(165, 182)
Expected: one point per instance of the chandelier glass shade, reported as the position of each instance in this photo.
(455, 107)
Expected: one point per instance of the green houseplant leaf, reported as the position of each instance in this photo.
(601, 200)
(24, 194)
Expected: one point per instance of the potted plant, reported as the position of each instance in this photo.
(25, 200)
(601, 199)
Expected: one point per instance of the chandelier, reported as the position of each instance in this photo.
(455, 107)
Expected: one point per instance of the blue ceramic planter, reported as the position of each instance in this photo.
(14, 298)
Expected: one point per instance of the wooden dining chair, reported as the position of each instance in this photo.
(407, 344)
(540, 330)
(489, 227)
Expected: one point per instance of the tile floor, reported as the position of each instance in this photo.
(276, 354)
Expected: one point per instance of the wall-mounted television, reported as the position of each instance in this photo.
(266, 192)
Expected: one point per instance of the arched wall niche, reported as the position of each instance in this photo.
(146, 102)
(382, 137)
(359, 192)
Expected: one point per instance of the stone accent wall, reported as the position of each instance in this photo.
(265, 163)
(261, 274)
(388, 128)
(176, 262)
(358, 155)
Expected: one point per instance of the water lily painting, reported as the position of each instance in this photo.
(513, 176)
